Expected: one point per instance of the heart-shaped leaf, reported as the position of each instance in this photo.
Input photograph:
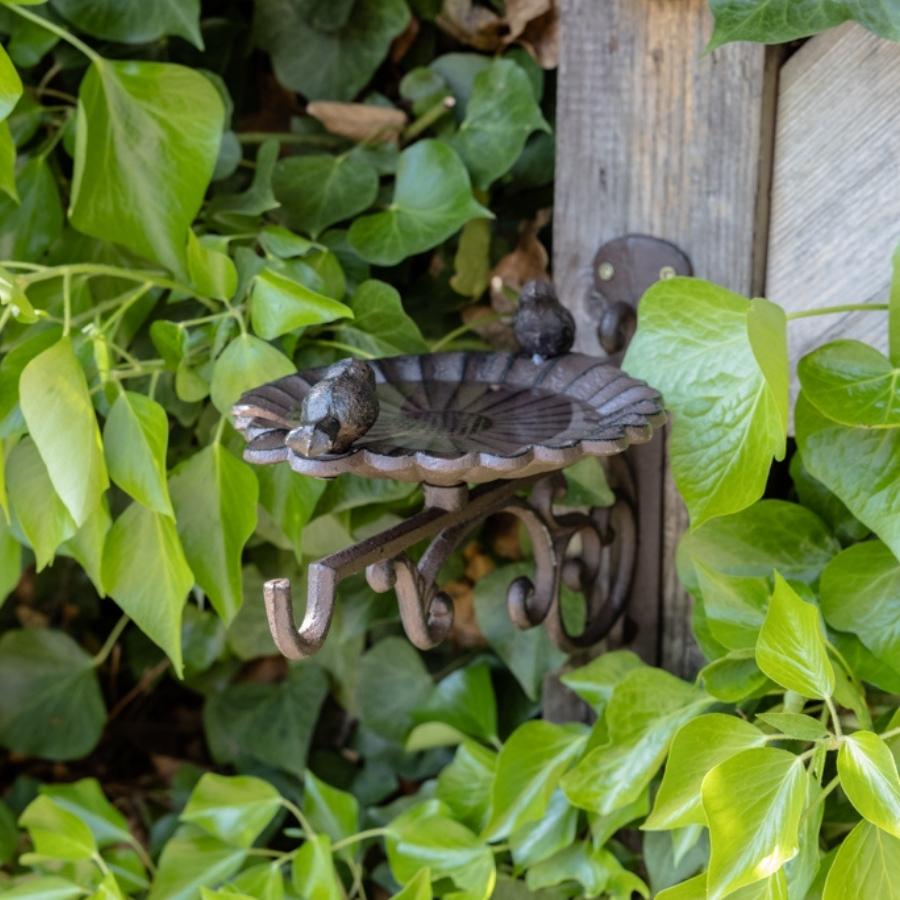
(869, 779)
(234, 808)
(312, 871)
(465, 701)
(57, 833)
(29, 227)
(247, 362)
(142, 24)
(465, 784)
(192, 859)
(380, 325)
(432, 200)
(867, 864)
(329, 810)
(86, 800)
(10, 85)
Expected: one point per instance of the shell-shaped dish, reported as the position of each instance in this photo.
(465, 417)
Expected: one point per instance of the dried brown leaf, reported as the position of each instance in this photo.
(541, 38)
(359, 121)
(477, 26)
(528, 261)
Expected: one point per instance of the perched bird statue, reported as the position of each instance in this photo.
(338, 410)
(544, 327)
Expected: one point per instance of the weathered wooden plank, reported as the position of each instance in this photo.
(835, 213)
(654, 137)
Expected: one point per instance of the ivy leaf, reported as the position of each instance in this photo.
(155, 19)
(859, 591)
(50, 705)
(894, 311)
(215, 496)
(44, 887)
(192, 859)
(339, 57)
(380, 325)
(57, 833)
(869, 779)
(210, 268)
(235, 809)
(816, 497)
(778, 21)
(10, 85)
(135, 440)
(529, 767)
(464, 700)
(85, 799)
(432, 200)
(698, 747)
(86, 545)
(734, 606)
(867, 864)
(795, 725)
(290, 499)
(595, 682)
(8, 164)
(753, 803)
(312, 871)
(29, 227)
(329, 810)
(147, 141)
(142, 542)
(417, 888)
(317, 191)
(247, 362)
(860, 465)
(279, 304)
(728, 395)
(734, 677)
(10, 561)
(465, 784)
(56, 403)
(791, 647)
(852, 383)
(500, 115)
(472, 263)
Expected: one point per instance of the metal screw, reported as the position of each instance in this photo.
(667, 272)
(606, 271)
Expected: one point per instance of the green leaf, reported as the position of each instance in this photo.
(465, 701)
(86, 545)
(261, 882)
(340, 57)
(869, 779)
(734, 606)
(698, 746)
(85, 799)
(235, 809)
(56, 403)
(215, 496)
(190, 860)
(778, 21)
(267, 723)
(135, 440)
(472, 262)
(247, 362)
(147, 140)
(432, 200)
(500, 115)
(10, 85)
(318, 191)
(43, 887)
(529, 767)
(556, 829)
(860, 465)
(380, 325)
(795, 725)
(57, 833)
(279, 304)
(753, 803)
(852, 383)
(8, 164)
(146, 573)
(155, 19)
(313, 872)
(595, 682)
(417, 888)
(791, 646)
(859, 591)
(211, 270)
(894, 311)
(647, 707)
(465, 784)
(393, 681)
(258, 198)
(603, 827)
(586, 484)
(579, 863)
(330, 811)
(723, 363)
(28, 227)
(867, 864)
(10, 561)
(51, 704)
(734, 677)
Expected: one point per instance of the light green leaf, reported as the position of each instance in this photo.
(529, 767)
(867, 864)
(283, 243)
(37, 508)
(380, 325)
(135, 440)
(50, 705)
(860, 588)
(734, 677)
(279, 304)
(417, 888)
(342, 52)
(465, 701)
(894, 311)
(154, 19)
(698, 746)
(8, 163)
(192, 859)
(860, 465)
(579, 863)
(262, 882)
(753, 803)
(728, 395)
(313, 873)
(146, 573)
(147, 141)
(852, 383)
(432, 200)
(595, 682)
(465, 784)
(43, 887)
(472, 262)
(10, 85)
(56, 403)
(869, 779)
(603, 827)
(86, 545)
(330, 811)
(791, 646)
(555, 830)
(247, 362)
(234, 808)
(210, 268)
(57, 833)
(500, 115)
(28, 227)
(647, 707)
(215, 496)
(10, 561)
(735, 606)
(586, 485)
(289, 498)
(795, 725)
(777, 21)
(318, 191)
(85, 799)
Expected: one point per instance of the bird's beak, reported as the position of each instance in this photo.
(309, 440)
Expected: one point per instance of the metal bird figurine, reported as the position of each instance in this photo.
(544, 327)
(338, 410)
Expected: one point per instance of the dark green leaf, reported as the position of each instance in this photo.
(465, 701)
(586, 484)
(50, 705)
(190, 860)
(380, 326)
(258, 198)
(246, 363)
(56, 833)
(29, 227)
(432, 200)
(867, 864)
(279, 304)
(132, 25)
(234, 808)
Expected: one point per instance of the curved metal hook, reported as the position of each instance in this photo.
(529, 602)
(293, 642)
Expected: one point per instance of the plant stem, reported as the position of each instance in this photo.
(830, 310)
(110, 642)
(337, 345)
(428, 118)
(451, 336)
(288, 137)
(297, 813)
(151, 277)
(886, 735)
(61, 33)
(67, 304)
(360, 836)
(836, 721)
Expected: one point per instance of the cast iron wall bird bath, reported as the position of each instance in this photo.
(478, 430)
